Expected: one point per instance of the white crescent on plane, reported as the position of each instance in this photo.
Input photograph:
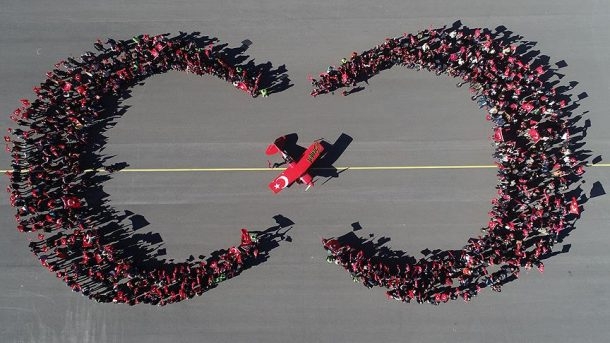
(285, 179)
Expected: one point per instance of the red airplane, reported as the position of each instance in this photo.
(296, 171)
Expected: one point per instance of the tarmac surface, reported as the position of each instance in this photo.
(402, 118)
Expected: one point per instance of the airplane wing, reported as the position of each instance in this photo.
(285, 179)
(296, 170)
(309, 157)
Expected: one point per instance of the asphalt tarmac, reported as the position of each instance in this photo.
(402, 118)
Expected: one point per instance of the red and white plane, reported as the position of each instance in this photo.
(297, 171)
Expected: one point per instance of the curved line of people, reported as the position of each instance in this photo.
(48, 179)
(533, 153)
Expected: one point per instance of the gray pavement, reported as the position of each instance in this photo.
(403, 118)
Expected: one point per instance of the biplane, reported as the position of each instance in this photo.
(297, 166)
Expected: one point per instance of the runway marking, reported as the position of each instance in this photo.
(238, 169)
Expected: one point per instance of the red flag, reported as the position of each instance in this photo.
(534, 134)
(498, 136)
(527, 106)
(76, 122)
(67, 87)
(344, 77)
(235, 254)
(71, 202)
(81, 89)
(245, 237)
(574, 209)
(241, 85)
(331, 244)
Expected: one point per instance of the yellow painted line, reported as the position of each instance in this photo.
(416, 167)
(127, 170)
(167, 170)
(237, 169)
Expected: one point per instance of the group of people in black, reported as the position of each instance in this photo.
(50, 175)
(534, 153)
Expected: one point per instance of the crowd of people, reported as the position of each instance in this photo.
(534, 153)
(49, 178)
(537, 167)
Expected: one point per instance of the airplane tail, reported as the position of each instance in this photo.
(272, 149)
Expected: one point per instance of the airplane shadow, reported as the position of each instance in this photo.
(324, 167)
